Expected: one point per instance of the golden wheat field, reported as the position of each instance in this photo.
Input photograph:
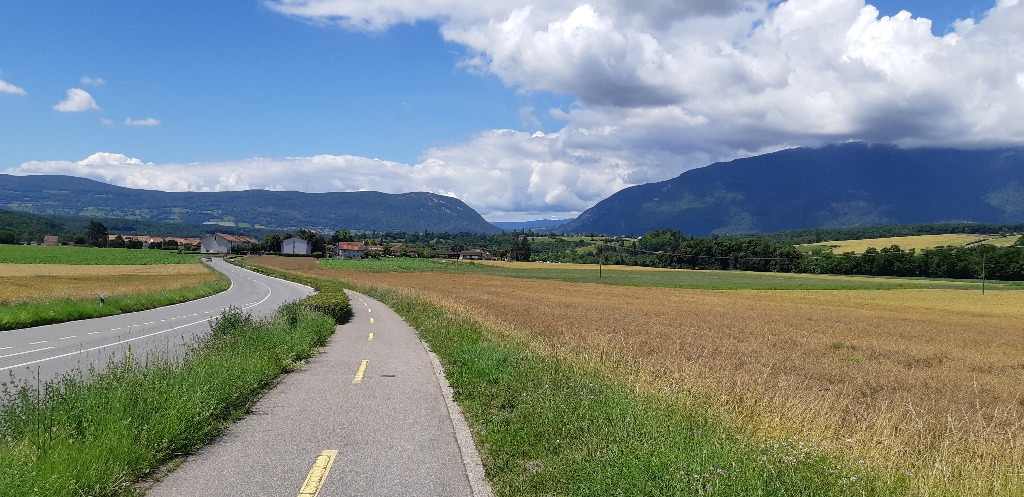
(928, 383)
(21, 283)
(919, 242)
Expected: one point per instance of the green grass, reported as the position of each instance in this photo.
(708, 280)
(63, 310)
(28, 254)
(79, 437)
(550, 427)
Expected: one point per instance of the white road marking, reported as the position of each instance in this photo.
(248, 306)
(65, 338)
(23, 353)
(37, 343)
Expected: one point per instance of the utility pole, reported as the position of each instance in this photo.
(983, 273)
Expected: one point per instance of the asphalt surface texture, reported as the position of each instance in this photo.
(370, 416)
(44, 353)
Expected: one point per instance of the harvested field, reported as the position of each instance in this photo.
(928, 383)
(21, 283)
(918, 242)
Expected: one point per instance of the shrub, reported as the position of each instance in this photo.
(332, 302)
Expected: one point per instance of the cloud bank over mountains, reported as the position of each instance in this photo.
(660, 87)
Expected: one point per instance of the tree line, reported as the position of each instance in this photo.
(670, 249)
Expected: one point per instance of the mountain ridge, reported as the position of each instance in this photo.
(369, 211)
(833, 186)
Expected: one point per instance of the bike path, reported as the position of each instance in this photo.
(369, 416)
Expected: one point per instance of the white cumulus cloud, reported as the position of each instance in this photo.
(660, 87)
(149, 121)
(6, 87)
(78, 100)
(721, 79)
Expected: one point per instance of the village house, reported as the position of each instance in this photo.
(295, 246)
(219, 243)
(51, 241)
(350, 250)
(475, 255)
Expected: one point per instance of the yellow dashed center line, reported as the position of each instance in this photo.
(317, 475)
(370, 337)
(360, 373)
(371, 320)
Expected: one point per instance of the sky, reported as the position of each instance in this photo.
(523, 111)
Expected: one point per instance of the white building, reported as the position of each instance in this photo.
(295, 245)
(351, 250)
(219, 243)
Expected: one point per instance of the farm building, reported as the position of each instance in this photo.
(219, 243)
(475, 255)
(295, 245)
(51, 241)
(351, 250)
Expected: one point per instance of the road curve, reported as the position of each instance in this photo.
(46, 352)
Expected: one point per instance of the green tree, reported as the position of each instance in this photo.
(97, 234)
(342, 236)
(8, 237)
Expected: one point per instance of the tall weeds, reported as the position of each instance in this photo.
(97, 434)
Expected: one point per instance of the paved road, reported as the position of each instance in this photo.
(367, 417)
(48, 351)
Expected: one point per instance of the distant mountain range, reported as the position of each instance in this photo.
(537, 225)
(831, 187)
(370, 211)
(835, 186)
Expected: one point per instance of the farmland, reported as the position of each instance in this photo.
(22, 283)
(918, 384)
(43, 285)
(25, 254)
(642, 276)
(919, 242)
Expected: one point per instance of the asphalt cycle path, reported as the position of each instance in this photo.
(371, 415)
(46, 352)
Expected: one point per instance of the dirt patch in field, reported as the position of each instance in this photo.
(20, 283)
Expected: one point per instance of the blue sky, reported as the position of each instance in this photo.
(522, 112)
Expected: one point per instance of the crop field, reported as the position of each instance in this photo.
(643, 276)
(26, 254)
(22, 283)
(924, 384)
(912, 242)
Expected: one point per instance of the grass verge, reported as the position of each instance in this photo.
(97, 436)
(546, 426)
(63, 310)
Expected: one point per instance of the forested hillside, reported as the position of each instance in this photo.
(831, 187)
